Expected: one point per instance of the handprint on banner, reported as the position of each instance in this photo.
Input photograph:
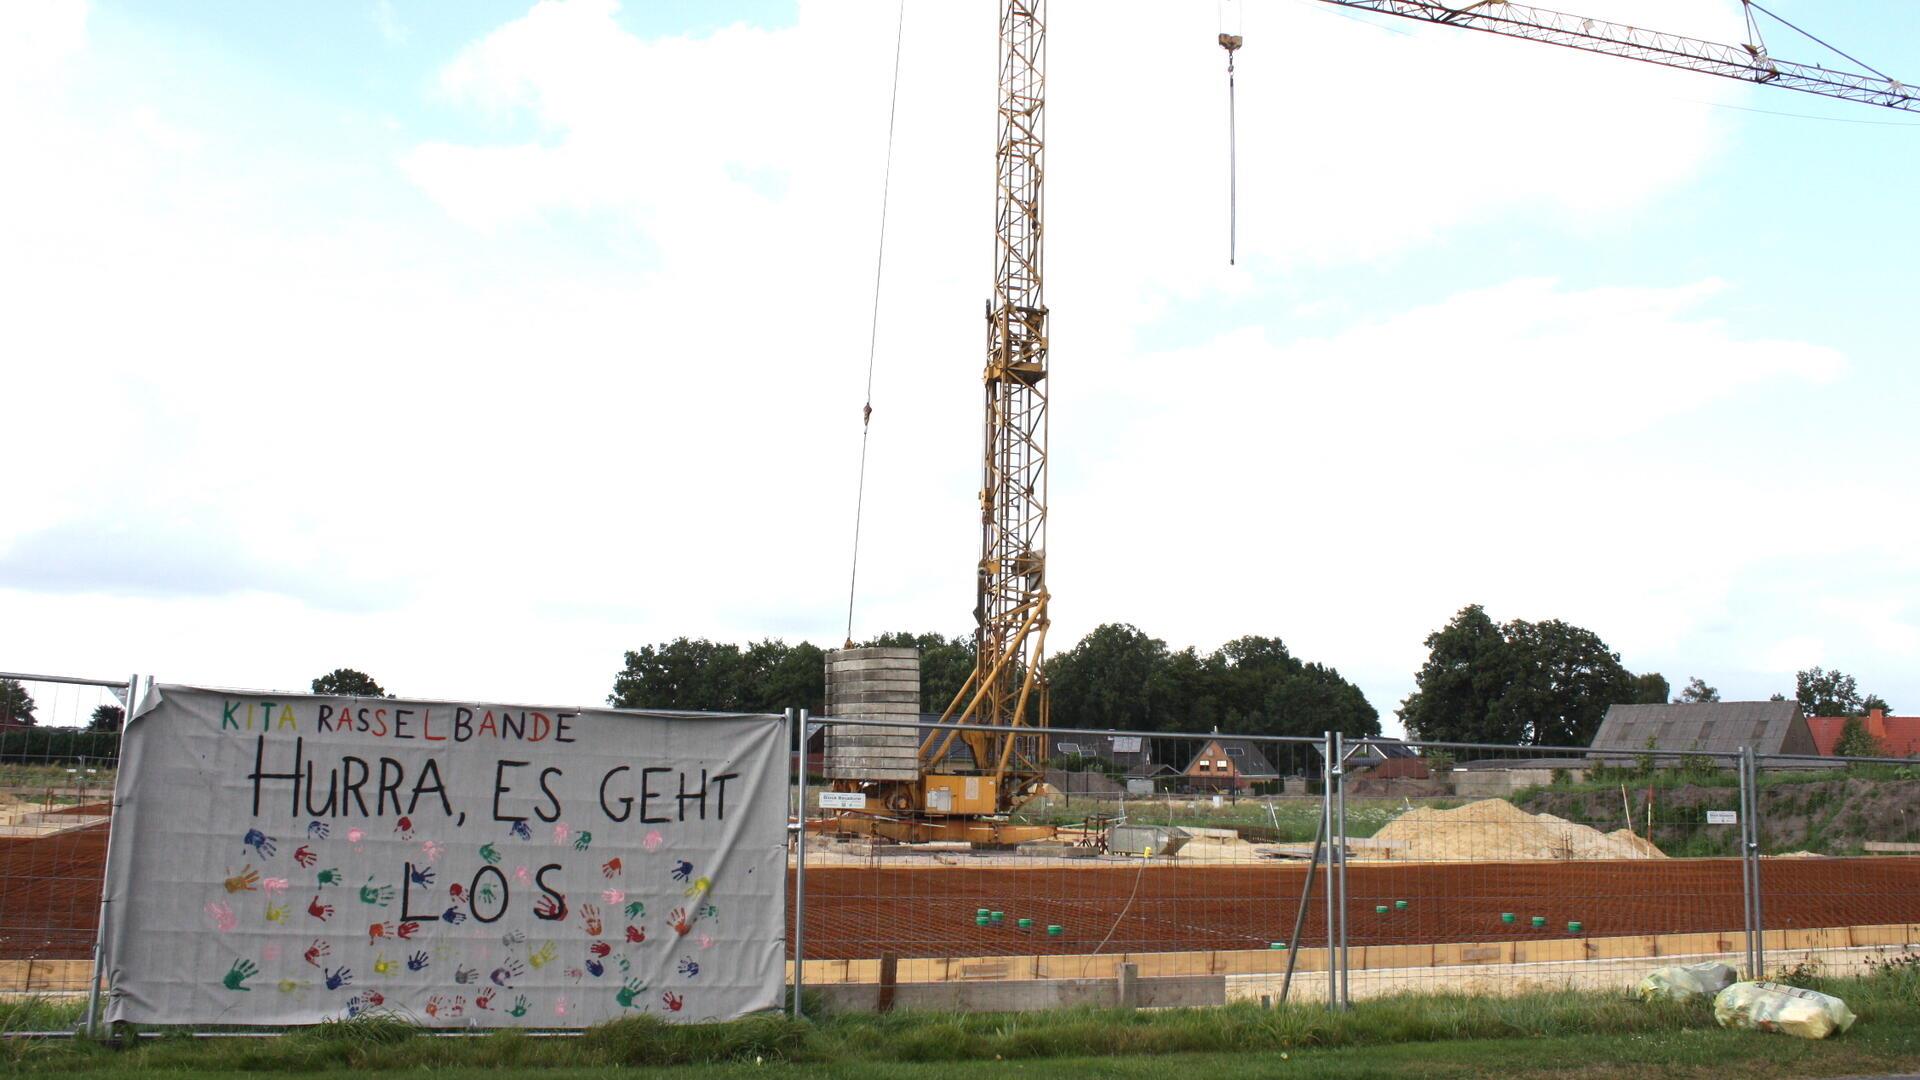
(513, 937)
(611, 868)
(247, 880)
(432, 850)
(614, 897)
(421, 876)
(418, 962)
(408, 929)
(523, 875)
(315, 951)
(707, 913)
(705, 941)
(486, 893)
(636, 934)
(550, 909)
(521, 830)
(672, 1001)
(434, 1004)
(293, 986)
(520, 1006)
(304, 856)
(382, 965)
(275, 885)
(320, 911)
(637, 909)
(625, 995)
(575, 974)
(260, 842)
(689, 967)
(653, 841)
(504, 975)
(328, 877)
(488, 854)
(276, 913)
(237, 975)
(542, 956)
(600, 949)
(459, 1007)
(378, 932)
(678, 919)
(453, 916)
(700, 887)
(404, 827)
(355, 835)
(378, 895)
(464, 974)
(682, 870)
(224, 920)
(561, 1005)
(595, 967)
(484, 1000)
(590, 920)
(318, 830)
(339, 978)
(458, 892)
(561, 831)
(583, 841)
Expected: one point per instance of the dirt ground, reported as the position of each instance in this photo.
(858, 912)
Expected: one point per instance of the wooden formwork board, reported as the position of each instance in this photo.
(1360, 958)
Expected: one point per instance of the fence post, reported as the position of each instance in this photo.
(1333, 847)
(1746, 865)
(101, 960)
(1340, 810)
(800, 876)
(1752, 854)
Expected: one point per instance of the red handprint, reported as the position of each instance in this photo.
(404, 827)
(457, 891)
(678, 917)
(377, 931)
(408, 929)
(484, 1000)
(590, 919)
(636, 934)
(305, 856)
(317, 950)
(375, 998)
(433, 1005)
(319, 910)
(550, 909)
(672, 1001)
(600, 948)
(611, 867)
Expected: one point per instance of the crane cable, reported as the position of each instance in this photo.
(1231, 43)
(873, 332)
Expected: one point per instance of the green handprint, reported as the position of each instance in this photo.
(487, 853)
(707, 911)
(376, 894)
(636, 910)
(519, 1006)
(329, 876)
(627, 993)
(241, 971)
(583, 841)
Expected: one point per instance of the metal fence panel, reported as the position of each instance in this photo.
(59, 746)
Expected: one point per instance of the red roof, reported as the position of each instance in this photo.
(1899, 735)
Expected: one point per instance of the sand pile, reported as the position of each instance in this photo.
(1494, 830)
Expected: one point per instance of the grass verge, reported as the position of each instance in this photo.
(1542, 1034)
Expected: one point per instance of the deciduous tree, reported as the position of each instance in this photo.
(346, 682)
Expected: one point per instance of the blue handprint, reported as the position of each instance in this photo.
(682, 869)
(453, 916)
(422, 876)
(417, 962)
(339, 978)
(259, 842)
(689, 967)
(318, 829)
(520, 830)
(595, 967)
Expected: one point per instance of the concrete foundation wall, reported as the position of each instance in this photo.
(1027, 995)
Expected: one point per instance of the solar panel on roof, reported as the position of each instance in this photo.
(1126, 744)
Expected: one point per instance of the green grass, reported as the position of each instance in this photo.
(1606, 1034)
(1283, 819)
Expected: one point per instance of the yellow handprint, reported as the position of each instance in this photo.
(543, 957)
(699, 887)
(276, 913)
(382, 965)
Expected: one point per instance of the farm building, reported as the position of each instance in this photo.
(1768, 727)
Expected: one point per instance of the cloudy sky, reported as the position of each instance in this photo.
(472, 344)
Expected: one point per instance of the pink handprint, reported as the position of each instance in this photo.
(356, 834)
(275, 885)
(223, 917)
(614, 897)
(433, 849)
(653, 841)
(560, 832)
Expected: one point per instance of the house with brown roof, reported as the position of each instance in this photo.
(1229, 764)
(1898, 736)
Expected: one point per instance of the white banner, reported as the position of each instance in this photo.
(291, 859)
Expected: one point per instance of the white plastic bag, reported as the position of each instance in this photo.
(1683, 983)
(1765, 1006)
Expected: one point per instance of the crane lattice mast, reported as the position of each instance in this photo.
(1008, 686)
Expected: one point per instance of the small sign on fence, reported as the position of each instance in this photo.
(1723, 817)
(842, 800)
